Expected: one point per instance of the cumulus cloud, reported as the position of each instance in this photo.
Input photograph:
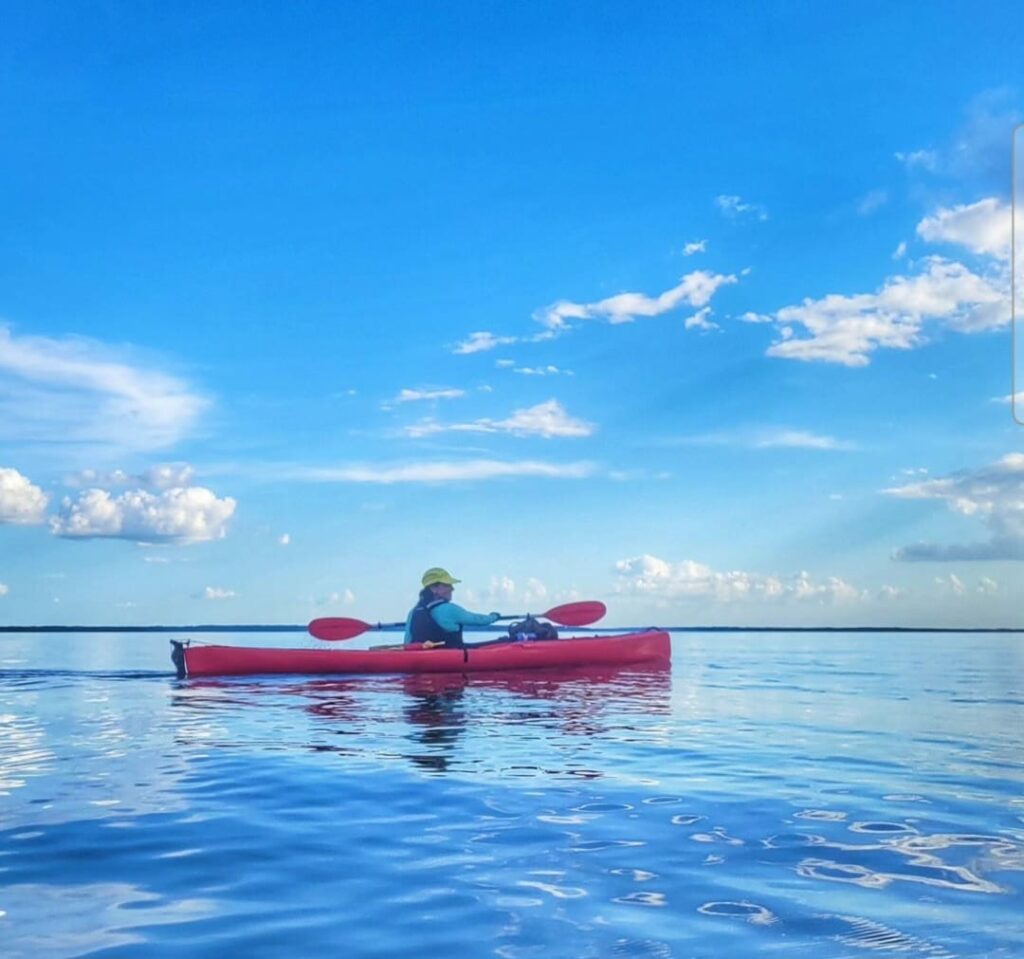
(847, 329)
(178, 515)
(442, 472)
(735, 206)
(700, 320)
(695, 289)
(22, 503)
(284, 539)
(217, 593)
(983, 227)
(697, 246)
(656, 578)
(546, 420)
(79, 390)
(993, 494)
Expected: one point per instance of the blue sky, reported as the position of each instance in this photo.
(702, 310)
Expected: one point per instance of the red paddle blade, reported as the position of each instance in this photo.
(333, 628)
(577, 614)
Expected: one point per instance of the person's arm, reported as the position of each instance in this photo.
(451, 617)
(408, 627)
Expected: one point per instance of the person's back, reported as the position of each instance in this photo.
(435, 620)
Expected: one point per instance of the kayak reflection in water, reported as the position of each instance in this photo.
(435, 620)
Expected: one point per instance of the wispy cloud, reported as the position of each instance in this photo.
(980, 146)
(993, 494)
(418, 396)
(547, 420)
(160, 477)
(695, 289)
(735, 206)
(218, 593)
(768, 439)
(697, 246)
(441, 472)
(872, 202)
(78, 390)
(482, 341)
(801, 440)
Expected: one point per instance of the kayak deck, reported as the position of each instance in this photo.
(643, 647)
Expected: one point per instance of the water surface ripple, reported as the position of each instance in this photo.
(825, 796)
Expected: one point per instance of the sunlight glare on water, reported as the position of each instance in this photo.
(815, 795)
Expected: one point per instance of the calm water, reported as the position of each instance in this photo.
(824, 796)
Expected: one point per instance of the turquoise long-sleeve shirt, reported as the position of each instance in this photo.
(451, 617)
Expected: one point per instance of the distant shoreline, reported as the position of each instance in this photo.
(301, 628)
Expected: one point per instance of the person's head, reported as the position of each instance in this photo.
(439, 582)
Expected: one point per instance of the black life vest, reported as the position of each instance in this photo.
(424, 627)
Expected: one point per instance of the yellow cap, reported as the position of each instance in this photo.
(437, 575)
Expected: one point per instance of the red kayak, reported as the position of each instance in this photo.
(645, 647)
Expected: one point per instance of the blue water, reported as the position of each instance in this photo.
(826, 796)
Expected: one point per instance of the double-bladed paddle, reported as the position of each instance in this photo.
(336, 628)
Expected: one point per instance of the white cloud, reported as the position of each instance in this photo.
(217, 593)
(847, 329)
(697, 246)
(4, 589)
(78, 390)
(983, 227)
(653, 577)
(735, 206)
(767, 439)
(700, 321)
(442, 472)
(695, 289)
(923, 159)
(181, 515)
(284, 539)
(800, 439)
(343, 597)
(481, 342)
(872, 201)
(548, 420)
(891, 593)
(993, 494)
(160, 477)
(900, 251)
(548, 370)
(22, 503)
(951, 583)
(414, 396)
(987, 586)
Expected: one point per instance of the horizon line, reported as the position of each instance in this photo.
(302, 628)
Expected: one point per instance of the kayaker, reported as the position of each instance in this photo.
(435, 619)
